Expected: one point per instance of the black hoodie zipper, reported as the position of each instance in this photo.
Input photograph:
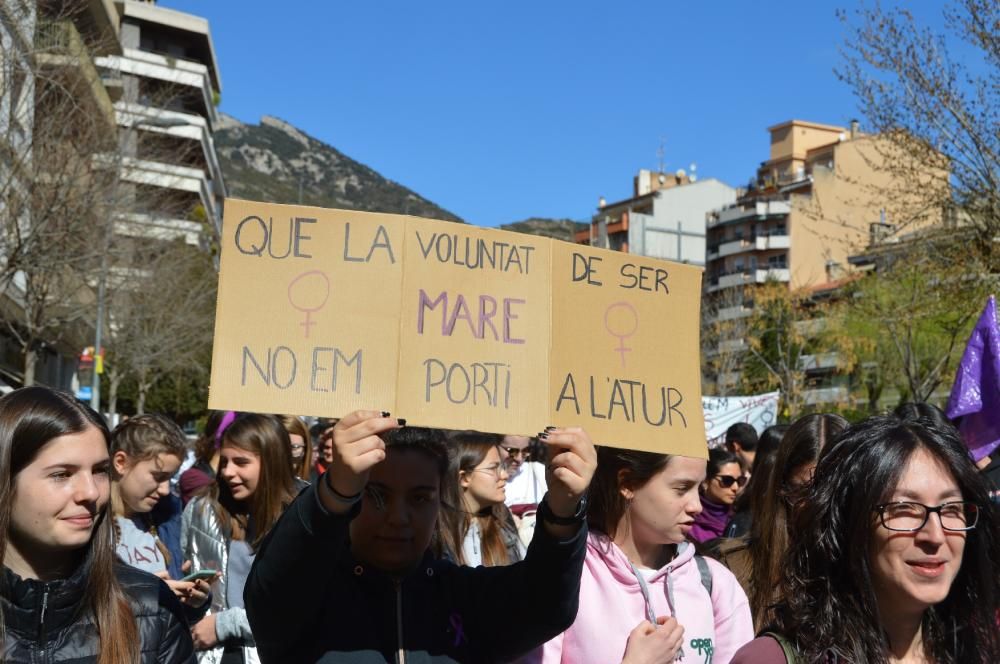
(401, 650)
(41, 619)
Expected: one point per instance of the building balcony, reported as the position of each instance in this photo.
(176, 71)
(825, 395)
(745, 211)
(773, 241)
(582, 237)
(761, 276)
(733, 346)
(136, 224)
(722, 280)
(819, 362)
(176, 124)
(58, 45)
(732, 313)
(170, 176)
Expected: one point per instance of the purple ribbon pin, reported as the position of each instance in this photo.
(456, 624)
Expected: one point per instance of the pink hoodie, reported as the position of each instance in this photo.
(612, 605)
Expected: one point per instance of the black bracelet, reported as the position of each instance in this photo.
(546, 514)
(338, 496)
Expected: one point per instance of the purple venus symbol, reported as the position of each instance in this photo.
(623, 328)
(313, 287)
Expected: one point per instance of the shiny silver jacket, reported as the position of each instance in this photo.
(205, 543)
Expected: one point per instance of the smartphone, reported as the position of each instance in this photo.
(206, 574)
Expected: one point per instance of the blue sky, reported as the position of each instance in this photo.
(502, 111)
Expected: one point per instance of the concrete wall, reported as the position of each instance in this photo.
(676, 229)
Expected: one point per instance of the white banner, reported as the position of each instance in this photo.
(761, 411)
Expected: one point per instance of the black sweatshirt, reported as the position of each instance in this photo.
(309, 600)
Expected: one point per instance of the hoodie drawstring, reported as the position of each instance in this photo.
(644, 588)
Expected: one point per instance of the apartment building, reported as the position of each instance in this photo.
(142, 84)
(166, 109)
(665, 217)
(811, 205)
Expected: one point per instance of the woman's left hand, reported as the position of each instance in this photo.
(203, 633)
(190, 593)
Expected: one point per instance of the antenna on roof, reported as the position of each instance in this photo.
(660, 153)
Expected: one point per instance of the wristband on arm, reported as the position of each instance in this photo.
(338, 496)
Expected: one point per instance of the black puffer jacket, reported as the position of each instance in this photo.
(43, 620)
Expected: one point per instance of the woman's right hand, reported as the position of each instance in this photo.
(357, 448)
(654, 644)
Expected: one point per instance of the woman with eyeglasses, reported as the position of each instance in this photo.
(301, 449)
(475, 527)
(722, 484)
(895, 558)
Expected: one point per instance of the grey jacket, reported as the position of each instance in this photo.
(206, 544)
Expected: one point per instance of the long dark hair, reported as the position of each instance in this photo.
(828, 604)
(29, 418)
(468, 450)
(767, 449)
(618, 469)
(769, 531)
(265, 436)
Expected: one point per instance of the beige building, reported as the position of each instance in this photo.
(819, 198)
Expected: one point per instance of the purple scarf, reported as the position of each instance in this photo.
(711, 522)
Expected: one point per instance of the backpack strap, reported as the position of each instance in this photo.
(786, 646)
(705, 572)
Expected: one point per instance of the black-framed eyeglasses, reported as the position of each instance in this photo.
(908, 517)
(522, 452)
(728, 480)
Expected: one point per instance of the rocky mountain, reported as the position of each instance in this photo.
(560, 229)
(276, 162)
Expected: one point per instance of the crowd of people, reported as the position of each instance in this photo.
(368, 540)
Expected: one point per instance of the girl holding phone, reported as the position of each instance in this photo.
(223, 528)
(64, 593)
(146, 452)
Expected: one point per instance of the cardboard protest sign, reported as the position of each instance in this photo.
(322, 312)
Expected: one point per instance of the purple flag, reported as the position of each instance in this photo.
(975, 396)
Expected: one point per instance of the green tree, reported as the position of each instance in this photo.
(913, 313)
(786, 332)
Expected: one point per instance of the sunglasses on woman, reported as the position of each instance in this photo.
(515, 452)
(728, 480)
